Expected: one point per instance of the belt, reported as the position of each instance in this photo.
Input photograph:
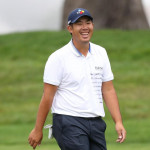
(86, 118)
(93, 118)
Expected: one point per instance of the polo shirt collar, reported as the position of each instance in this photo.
(76, 51)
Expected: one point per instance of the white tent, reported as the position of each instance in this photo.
(27, 15)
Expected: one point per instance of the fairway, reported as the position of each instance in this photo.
(22, 60)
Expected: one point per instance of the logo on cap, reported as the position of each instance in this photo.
(80, 11)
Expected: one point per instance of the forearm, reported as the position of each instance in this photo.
(112, 104)
(36, 134)
(111, 100)
(43, 111)
(45, 105)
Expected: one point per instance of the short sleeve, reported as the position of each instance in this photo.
(107, 72)
(53, 70)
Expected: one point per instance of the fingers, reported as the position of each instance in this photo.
(119, 139)
(35, 138)
(121, 132)
(33, 143)
(121, 136)
(39, 143)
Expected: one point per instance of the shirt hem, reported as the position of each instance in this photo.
(51, 82)
(108, 79)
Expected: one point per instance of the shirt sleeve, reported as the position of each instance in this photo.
(53, 70)
(107, 72)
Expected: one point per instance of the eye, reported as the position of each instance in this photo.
(89, 22)
(79, 23)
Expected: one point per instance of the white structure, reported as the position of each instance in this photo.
(27, 15)
(33, 15)
(146, 5)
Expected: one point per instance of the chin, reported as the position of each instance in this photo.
(85, 40)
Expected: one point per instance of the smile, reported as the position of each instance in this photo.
(84, 35)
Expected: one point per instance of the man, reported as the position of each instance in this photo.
(76, 77)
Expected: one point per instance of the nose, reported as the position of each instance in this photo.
(84, 26)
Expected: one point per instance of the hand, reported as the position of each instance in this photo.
(121, 132)
(35, 138)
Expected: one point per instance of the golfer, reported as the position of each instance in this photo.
(77, 78)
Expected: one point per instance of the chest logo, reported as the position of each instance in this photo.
(98, 68)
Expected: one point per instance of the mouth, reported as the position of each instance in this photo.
(85, 34)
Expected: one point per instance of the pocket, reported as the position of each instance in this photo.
(100, 125)
(105, 126)
(57, 126)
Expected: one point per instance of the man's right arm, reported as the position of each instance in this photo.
(36, 134)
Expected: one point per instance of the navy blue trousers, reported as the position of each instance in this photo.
(77, 133)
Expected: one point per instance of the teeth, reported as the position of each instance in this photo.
(84, 33)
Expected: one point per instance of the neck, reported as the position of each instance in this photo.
(83, 48)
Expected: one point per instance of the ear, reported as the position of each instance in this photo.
(93, 24)
(69, 28)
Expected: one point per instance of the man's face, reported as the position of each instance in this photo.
(82, 29)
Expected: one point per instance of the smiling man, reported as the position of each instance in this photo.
(77, 78)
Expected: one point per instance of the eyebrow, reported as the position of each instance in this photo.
(78, 21)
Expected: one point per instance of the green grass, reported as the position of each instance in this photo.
(22, 60)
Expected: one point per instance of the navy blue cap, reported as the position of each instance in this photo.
(77, 13)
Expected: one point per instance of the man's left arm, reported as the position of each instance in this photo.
(111, 100)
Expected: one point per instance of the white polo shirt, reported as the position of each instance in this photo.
(79, 80)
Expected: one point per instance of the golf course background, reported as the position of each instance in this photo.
(22, 60)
